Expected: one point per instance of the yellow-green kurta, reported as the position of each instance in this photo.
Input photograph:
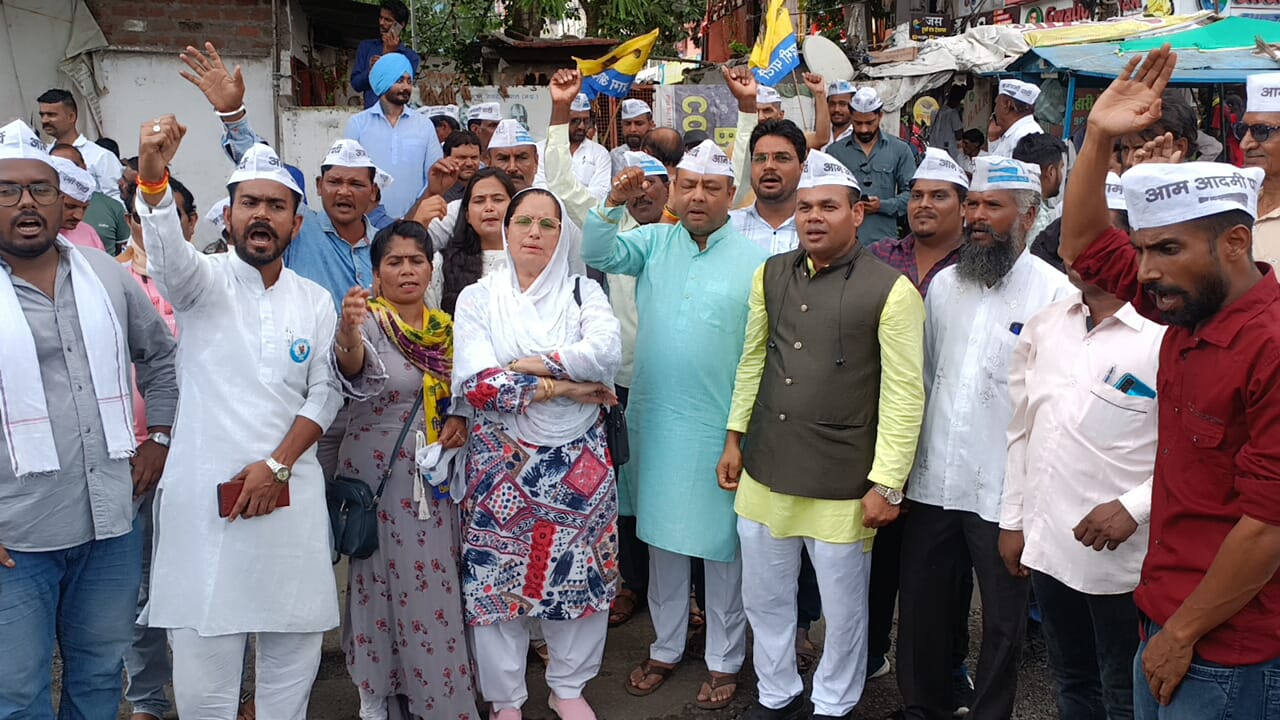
(693, 317)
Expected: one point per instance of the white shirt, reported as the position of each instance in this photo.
(969, 336)
(1076, 441)
(251, 360)
(773, 241)
(101, 164)
(1005, 145)
(593, 167)
(848, 131)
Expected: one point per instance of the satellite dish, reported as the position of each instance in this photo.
(826, 59)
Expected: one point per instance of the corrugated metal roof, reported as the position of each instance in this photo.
(1104, 60)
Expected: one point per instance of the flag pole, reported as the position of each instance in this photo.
(799, 84)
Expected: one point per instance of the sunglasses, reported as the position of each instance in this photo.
(1259, 132)
(524, 222)
(42, 193)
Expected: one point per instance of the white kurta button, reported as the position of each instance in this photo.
(799, 345)
(782, 417)
(804, 308)
(788, 381)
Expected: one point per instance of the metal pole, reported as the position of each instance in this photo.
(1067, 116)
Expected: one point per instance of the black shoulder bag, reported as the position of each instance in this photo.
(353, 507)
(615, 419)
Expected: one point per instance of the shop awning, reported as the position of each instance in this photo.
(1225, 34)
(1106, 60)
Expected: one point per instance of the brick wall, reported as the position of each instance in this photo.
(239, 27)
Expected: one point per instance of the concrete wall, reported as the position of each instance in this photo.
(308, 133)
(144, 85)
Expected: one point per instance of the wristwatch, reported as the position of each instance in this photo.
(281, 471)
(159, 438)
(893, 497)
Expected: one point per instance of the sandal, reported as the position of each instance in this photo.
(623, 608)
(697, 618)
(714, 682)
(647, 669)
(806, 652)
(539, 648)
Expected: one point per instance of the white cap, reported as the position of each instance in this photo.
(840, 87)
(351, 154)
(431, 110)
(580, 104)
(633, 108)
(1158, 195)
(510, 133)
(938, 165)
(706, 158)
(992, 172)
(73, 181)
(18, 142)
(1020, 91)
(484, 111)
(1263, 92)
(866, 100)
(766, 95)
(1115, 193)
(645, 162)
(260, 162)
(450, 110)
(215, 217)
(822, 169)
(441, 111)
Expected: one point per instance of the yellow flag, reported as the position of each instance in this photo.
(614, 73)
(775, 53)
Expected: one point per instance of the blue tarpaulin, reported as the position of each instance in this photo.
(1104, 61)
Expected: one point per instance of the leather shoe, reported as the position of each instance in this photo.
(797, 709)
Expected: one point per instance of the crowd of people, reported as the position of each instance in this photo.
(580, 383)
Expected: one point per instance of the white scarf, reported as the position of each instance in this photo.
(539, 320)
(25, 415)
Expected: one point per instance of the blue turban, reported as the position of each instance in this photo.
(388, 71)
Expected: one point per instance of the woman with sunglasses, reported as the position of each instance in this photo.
(537, 349)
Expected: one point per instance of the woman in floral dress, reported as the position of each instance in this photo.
(537, 351)
(404, 634)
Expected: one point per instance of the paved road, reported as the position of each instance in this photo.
(334, 697)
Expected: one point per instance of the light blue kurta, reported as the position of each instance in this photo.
(692, 324)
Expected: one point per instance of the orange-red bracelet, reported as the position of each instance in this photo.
(157, 188)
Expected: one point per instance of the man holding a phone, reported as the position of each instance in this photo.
(883, 165)
(392, 18)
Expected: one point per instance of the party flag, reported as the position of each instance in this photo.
(775, 53)
(614, 73)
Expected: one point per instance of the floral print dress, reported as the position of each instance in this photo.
(539, 523)
(403, 631)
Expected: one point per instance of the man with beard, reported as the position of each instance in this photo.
(935, 213)
(58, 116)
(637, 121)
(975, 310)
(483, 119)
(217, 579)
(883, 165)
(777, 150)
(1209, 586)
(591, 162)
(332, 248)
(1050, 155)
(1014, 117)
(399, 141)
(463, 147)
(829, 381)
(104, 215)
(839, 96)
(693, 280)
(74, 327)
(1259, 134)
(77, 191)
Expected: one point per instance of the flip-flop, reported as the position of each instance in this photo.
(649, 668)
(714, 683)
(806, 653)
(624, 607)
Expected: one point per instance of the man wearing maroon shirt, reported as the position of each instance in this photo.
(1209, 594)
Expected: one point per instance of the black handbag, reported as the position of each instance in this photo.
(615, 418)
(353, 506)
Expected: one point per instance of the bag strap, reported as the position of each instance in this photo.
(395, 451)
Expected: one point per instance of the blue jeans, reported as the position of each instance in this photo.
(146, 662)
(84, 598)
(1090, 640)
(1210, 691)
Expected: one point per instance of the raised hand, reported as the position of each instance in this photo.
(1131, 103)
(158, 142)
(627, 185)
(225, 90)
(816, 84)
(1158, 150)
(391, 39)
(355, 310)
(565, 86)
(442, 176)
(742, 83)
(431, 207)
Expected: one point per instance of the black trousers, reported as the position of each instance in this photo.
(934, 545)
(886, 568)
(633, 553)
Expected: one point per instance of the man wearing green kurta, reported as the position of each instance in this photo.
(693, 280)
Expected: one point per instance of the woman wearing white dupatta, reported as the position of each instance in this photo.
(536, 349)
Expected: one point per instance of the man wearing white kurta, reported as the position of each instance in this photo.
(1014, 117)
(254, 374)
